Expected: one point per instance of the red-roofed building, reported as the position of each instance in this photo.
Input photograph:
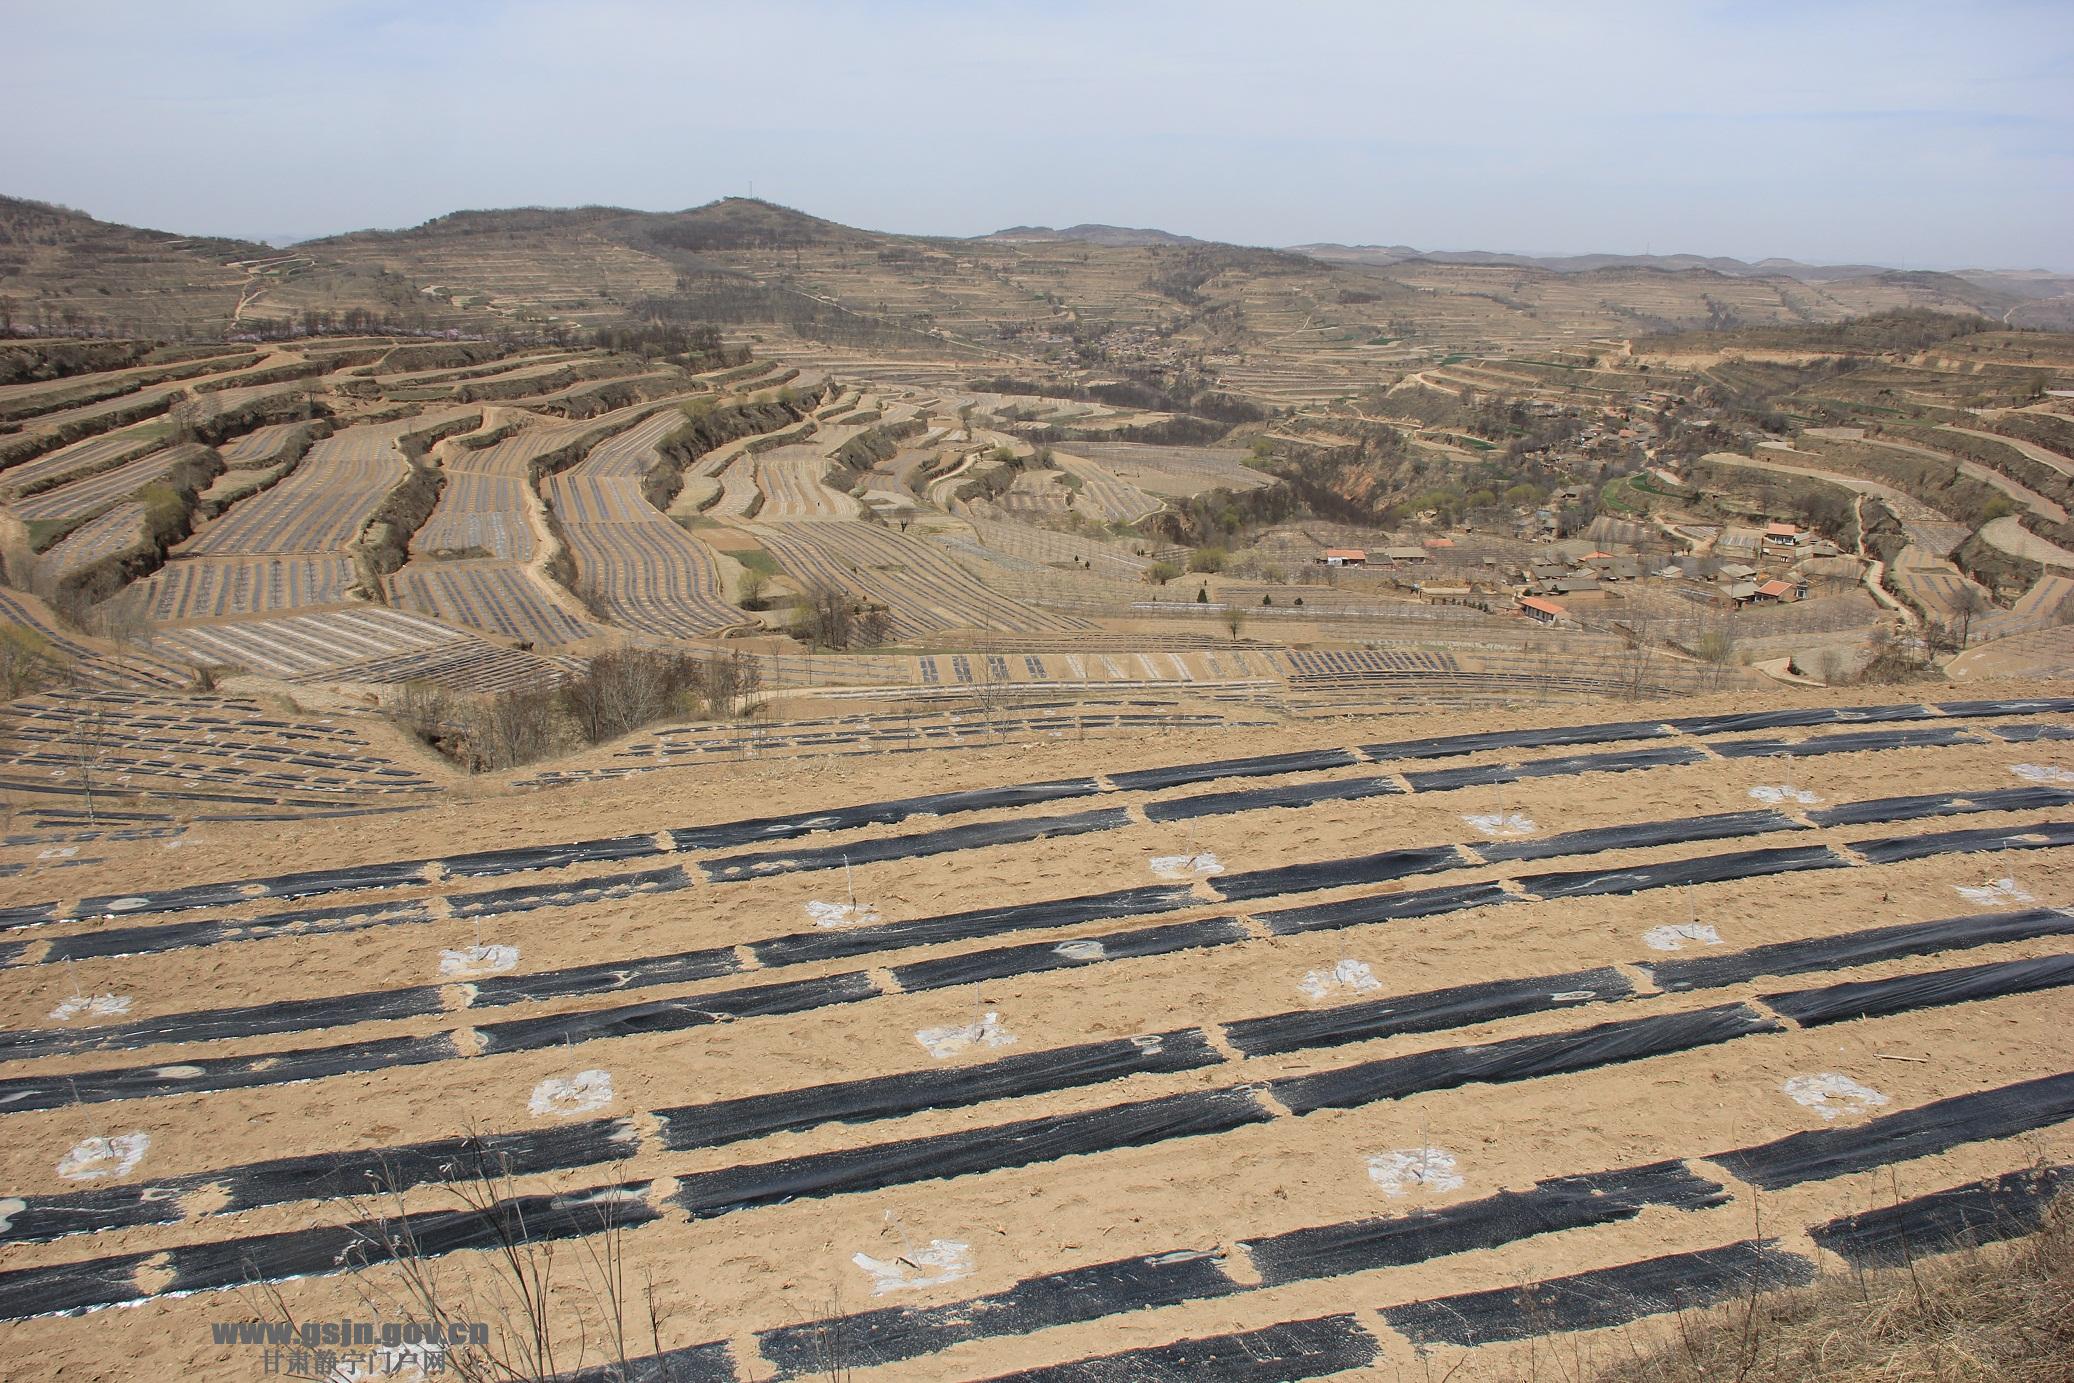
(1541, 611)
(1344, 557)
(1778, 591)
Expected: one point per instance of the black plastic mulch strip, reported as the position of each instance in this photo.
(428, 1234)
(180, 936)
(1386, 907)
(1000, 962)
(1433, 1011)
(221, 1073)
(1620, 761)
(393, 874)
(1840, 1003)
(1859, 948)
(675, 1015)
(486, 1158)
(1807, 715)
(1982, 840)
(969, 1153)
(706, 1363)
(1707, 869)
(1378, 868)
(1519, 1058)
(1726, 826)
(891, 1097)
(33, 915)
(1447, 746)
(491, 863)
(1606, 1297)
(67, 1287)
(1613, 761)
(1180, 775)
(733, 833)
(1820, 1154)
(1860, 742)
(835, 943)
(44, 1218)
(1258, 799)
(606, 977)
(217, 1025)
(324, 1176)
(524, 897)
(977, 835)
(1283, 1353)
(1981, 1212)
(1462, 776)
(2040, 705)
(2031, 734)
(1560, 1203)
(894, 1334)
(1940, 804)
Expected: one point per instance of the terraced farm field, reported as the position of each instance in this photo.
(924, 591)
(639, 568)
(1277, 1055)
(323, 505)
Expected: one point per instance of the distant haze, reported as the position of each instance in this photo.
(1895, 133)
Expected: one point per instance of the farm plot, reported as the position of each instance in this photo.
(638, 568)
(363, 645)
(204, 752)
(1174, 471)
(1109, 560)
(209, 588)
(119, 528)
(93, 493)
(1102, 495)
(85, 664)
(1029, 1183)
(789, 479)
(83, 458)
(496, 597)
(262, 447)
(322, 506)
(923, 590)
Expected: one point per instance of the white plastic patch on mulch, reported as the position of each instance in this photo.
(92, 1006)
(1832, 1096)
(471, 962)
(1081, 950)
(1995, 891)
(10, 1206)
(1676, 936)
(2042, 773)
(841, 914)
(1347, 977)
(945, 1260)
(566, 1097)
(1773, 794)
(1179, 868)
(948, 1042)
(1405, 1170)
(1498, 825)
(57, 852)
(94, 1158)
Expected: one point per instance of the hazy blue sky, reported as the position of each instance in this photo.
(1894, 132)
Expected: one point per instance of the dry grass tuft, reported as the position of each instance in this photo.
(1998, 1314)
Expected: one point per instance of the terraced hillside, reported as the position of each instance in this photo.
(1340, 1052)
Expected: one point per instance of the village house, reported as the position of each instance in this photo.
(1541, 611)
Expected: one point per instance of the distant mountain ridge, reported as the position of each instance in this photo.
(1094, 233)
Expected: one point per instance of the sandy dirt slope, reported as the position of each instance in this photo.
(1256, 1155)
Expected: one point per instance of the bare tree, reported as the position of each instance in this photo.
(28, 662)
